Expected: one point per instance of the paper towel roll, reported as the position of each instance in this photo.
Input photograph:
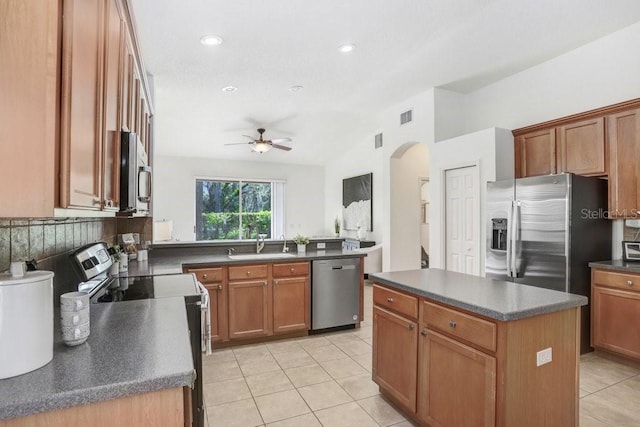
(162, 230)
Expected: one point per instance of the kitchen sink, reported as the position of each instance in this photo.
(261, 256)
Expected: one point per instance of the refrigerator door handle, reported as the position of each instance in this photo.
(515, 238)
(509, 239)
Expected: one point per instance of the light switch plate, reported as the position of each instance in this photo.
(635, 223)
(543, 357)
(322, 245)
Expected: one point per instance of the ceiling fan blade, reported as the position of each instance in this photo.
(247, 136)
(239, 143)
(281, 147)
(279, 140)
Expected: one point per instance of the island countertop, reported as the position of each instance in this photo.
(495, 299)
(134, 347)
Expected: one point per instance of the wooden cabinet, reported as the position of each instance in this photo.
(582, 147)
(63, 81)
(623, 130)
(615, 312)
(29, 99)
(291, 297)
(250, 308)
(214, 280)
(535, 153)
(576, 147)
(453, 375)
(451, 367)
(395, 361)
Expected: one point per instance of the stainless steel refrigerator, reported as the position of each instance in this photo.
(543, 231)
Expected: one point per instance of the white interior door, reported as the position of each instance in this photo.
(462, 220)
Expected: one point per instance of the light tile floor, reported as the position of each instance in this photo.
(325, 380)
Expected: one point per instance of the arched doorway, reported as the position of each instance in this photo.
(409, 167)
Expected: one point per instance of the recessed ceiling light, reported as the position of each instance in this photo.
(229, 89)
(211, 40)
(346, 48)
(296, 88)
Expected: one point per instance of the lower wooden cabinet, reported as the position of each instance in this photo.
(215, 281)
(291, 300)
(453, 375)
(615, 305)
(395, 356)
(250, 309)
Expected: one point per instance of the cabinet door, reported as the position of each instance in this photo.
(218, 311)
(113, 76)
(128, 64)
(291, 304)
(457, 383)
(81, 130)
(623, 130)
(582, 148)
(249, 309)
(615, 320)
(395, 356)
(535, 153)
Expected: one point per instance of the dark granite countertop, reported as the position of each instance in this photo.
(134, 347)
(173, 263)
(617, 265)
(487, 297)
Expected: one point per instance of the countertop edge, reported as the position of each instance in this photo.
(496, 315)
(617, 265)
(78, 397)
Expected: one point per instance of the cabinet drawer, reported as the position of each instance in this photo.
(629, 282)
(395, 301)
(291, 269)
(207, 275)
(453, 322)
(257, 271)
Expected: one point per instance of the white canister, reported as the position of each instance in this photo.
(26, 322)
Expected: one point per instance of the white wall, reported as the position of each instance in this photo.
(600, 73)
(492, 151)
(406, 172)
(174, 191)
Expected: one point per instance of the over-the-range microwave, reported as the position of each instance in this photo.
(135, 175)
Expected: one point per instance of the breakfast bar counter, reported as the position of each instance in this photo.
(135, 348)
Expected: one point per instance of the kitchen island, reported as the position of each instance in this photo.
(132, 370)
(454, 349)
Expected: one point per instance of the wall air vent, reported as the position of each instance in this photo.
(406, 117)
(378, 140)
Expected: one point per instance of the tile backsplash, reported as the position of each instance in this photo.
(50, 241)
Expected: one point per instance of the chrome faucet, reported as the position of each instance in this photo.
(285, 248)
(260, 242)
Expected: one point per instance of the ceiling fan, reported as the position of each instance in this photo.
(263, 145)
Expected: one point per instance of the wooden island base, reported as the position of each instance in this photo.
(444, 366)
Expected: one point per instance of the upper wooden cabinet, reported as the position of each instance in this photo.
(29, 107)
(577, 147)
(582, 147)
(64, 80)
(535, 153)
(623, 131)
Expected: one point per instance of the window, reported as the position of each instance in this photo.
(238, 209)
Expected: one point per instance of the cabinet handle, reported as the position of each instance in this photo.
(97, 201)
(248, 273)
(292, 269)
(204, 276)
(219, 287)
(629, 282)
(264, 284)
(411, 326)
(423, 333)
(390, 300)
(452, 323)
(275, 282)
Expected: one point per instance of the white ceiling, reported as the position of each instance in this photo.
(403, 47)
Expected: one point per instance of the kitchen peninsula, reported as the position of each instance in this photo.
(454, 349)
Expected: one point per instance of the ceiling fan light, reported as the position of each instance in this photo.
(211, 40)
(346, 48)
(260, 147)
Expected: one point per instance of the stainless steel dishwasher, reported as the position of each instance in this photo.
(335, 292)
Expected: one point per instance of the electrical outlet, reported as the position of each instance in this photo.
(635, 223)
(543, 357)
(322, 245)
